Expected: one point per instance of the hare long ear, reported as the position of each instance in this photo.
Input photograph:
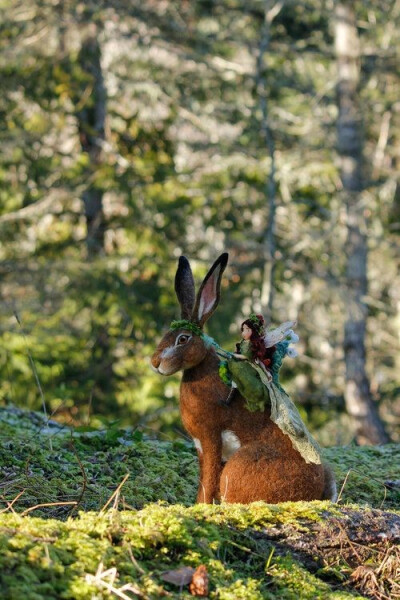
(209, 293)
(184, 287)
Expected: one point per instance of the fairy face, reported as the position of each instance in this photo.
(246, 332)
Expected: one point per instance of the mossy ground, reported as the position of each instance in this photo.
(301, 550)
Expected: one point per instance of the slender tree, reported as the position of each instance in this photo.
(360, 405)
(91, 115)
(271, 10)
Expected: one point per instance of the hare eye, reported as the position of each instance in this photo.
(182, 339)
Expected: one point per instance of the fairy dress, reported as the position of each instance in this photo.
(261, 388)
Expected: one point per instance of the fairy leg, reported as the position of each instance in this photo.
(249, 384)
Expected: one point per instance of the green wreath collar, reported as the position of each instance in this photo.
(196, 330)
(183, 324)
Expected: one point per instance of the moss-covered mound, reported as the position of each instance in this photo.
(288, 551)
(51, 463)
(301, 550)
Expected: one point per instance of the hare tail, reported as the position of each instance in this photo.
(330, 489)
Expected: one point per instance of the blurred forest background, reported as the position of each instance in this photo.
(133, 132)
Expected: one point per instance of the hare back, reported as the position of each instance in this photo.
(257, 471)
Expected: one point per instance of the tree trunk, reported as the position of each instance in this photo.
(91, 124)
(368, 426)
(271, 10)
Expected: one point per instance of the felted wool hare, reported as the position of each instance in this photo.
(244, 456)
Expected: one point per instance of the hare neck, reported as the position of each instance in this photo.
(199, 380)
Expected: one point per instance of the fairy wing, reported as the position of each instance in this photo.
(273, 336)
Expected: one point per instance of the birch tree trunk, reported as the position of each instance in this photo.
(367, 424)
(91, 124)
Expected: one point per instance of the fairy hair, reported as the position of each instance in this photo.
(257, 345)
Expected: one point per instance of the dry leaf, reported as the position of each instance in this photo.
(199, 583)
(364, 578)
(181, 576)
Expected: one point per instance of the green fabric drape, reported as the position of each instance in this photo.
(260, 390)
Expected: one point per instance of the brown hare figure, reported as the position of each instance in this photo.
(243, 455)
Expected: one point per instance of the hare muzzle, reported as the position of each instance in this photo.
(178, 350)
(169, 356)
(166, 360)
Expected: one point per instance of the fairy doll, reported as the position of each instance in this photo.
(254, 371)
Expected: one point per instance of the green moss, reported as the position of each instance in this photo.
(363, 474)
(52, 464)
(293, 581)
(42, 558)
(55, 559)
(247, 589)
(78, 554)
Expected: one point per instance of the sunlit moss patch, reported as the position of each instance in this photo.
(83, 556)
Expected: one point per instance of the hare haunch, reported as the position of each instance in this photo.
(244, 456)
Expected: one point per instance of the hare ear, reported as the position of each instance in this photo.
(209, 293)
(184, 287)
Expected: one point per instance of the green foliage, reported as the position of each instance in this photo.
(184, 169)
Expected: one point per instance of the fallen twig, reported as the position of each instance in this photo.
(28, 510)
(10, 504)
(114, 494)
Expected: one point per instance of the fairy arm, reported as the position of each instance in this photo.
(239, 356)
